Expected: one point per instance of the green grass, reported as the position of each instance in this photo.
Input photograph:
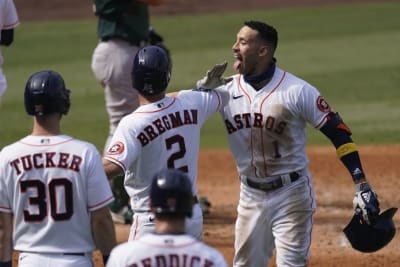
(349, 52)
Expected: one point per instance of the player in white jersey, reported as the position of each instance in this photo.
(8, 21)
(171, 200)
(265, 118)
(54, 187)
(163, 132)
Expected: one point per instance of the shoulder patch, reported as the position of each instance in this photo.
(116, 148)
(322, 105)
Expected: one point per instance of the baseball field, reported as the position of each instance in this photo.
(348, 49)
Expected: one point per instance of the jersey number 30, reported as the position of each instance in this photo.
(38, 198)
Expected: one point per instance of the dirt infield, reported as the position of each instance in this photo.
(334, 194)
(217, 173)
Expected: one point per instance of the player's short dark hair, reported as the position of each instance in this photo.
(266, 32)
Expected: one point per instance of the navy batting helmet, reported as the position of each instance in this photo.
(171, 193)
(45, 93)
(151, 70)
(370, 238)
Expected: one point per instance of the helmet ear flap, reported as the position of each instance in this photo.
(370, 238)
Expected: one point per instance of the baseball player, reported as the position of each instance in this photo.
(171, 200)
(8, 21)
(265, 118)
(123, 27)
(54, 187)
(164, 132)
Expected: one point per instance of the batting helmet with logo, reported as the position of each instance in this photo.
(45, 93)
(370, 238)
(151, 70)
(171, 193)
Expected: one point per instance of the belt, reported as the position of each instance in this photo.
(58, 253)
(74, 254)
(131, 42)
(273, 185)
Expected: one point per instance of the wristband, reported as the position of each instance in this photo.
(346, 149)
(5, 264)
(363, 186)
(105, 259)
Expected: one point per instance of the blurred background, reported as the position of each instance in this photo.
(347, 49)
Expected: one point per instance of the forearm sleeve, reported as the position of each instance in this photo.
(340, 136)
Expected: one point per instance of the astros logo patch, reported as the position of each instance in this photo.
(322, 104)
(116, 148)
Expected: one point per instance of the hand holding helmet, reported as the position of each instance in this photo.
(366, 202)
(370, 238)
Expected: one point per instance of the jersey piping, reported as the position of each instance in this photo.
(251, 129)
(55, 144)
(157, 110)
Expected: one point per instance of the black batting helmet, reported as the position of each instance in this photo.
(45, 93)
(171, 193)
(370, 238)
(151, 70)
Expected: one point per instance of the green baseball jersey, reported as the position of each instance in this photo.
(124, 19)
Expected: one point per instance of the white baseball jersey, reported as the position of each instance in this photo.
(267, 128)
(51, 184)
(8, 20)
(267, 137)
(154, 250)
(160, 135)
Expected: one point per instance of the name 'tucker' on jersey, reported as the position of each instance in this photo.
(46, 160)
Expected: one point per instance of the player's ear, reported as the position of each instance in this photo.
(263, 50)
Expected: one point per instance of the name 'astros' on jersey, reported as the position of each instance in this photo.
(246, 120)
(167, 122)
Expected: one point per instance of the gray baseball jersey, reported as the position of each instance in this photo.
(8, 20)
(50, 184)
(155, 250)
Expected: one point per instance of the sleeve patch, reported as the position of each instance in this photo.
(322, 105)
(116, 148)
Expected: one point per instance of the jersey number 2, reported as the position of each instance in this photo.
(176, 139)
(39, 199)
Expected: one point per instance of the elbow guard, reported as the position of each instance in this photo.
(336, 130)
(339, 134)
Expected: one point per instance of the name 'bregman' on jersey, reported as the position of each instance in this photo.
(167, 122)
(161, 135)
(267, 128)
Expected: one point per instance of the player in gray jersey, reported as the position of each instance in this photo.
(123, 27)
(8, 21)
(54, 188)
(171, 201)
